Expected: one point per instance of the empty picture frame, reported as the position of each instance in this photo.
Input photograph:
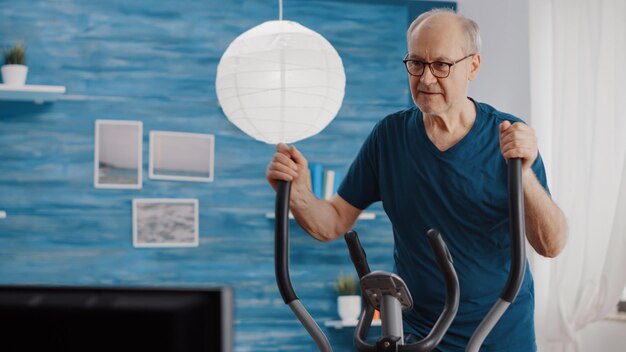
(165, 222)
(181, 156)
(117, 157)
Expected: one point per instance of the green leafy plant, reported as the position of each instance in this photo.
(347, 285)
(15, 55)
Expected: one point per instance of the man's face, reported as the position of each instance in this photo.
(441, 38)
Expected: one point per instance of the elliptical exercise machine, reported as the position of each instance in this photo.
(388, 293)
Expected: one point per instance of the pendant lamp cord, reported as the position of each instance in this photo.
(280, 10)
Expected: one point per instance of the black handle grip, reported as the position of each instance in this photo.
(357, 254)
(517, 229)
(359, 259)
(442, 254)
(444, 261)
(281, 243)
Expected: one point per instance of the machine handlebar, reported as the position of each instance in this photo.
(444, 260)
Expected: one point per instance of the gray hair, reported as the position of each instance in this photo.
(472, 32)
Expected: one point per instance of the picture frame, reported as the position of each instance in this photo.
(118, 154)
(181, 156)
(165, 222)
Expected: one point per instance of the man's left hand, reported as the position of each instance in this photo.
(518, 140)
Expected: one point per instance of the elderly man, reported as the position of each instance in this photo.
(442, 164)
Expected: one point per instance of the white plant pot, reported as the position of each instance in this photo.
(349, 307)
(14, 75)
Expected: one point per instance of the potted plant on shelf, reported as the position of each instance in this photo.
(14, 70)
(349, 300)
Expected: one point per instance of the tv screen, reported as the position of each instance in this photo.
(36, 318)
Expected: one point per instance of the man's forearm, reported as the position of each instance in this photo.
(317, 217)
(546, 227)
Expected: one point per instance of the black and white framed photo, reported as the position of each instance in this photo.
(117, 157)
(169, 222)
(181, 156)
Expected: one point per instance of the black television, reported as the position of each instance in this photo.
(46, 318)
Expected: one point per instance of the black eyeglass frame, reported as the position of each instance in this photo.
(406, 60)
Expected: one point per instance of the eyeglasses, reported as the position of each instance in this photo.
(439, 69)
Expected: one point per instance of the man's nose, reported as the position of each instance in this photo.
(427, 77)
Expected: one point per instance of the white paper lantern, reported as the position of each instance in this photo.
(280, 82)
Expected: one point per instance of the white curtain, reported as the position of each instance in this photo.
(578, 109)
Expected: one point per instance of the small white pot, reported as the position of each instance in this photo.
(14, 75)
(349, 307)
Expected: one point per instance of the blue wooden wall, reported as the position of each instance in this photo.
(155, 61)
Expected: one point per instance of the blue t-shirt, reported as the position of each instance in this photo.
(461, 192)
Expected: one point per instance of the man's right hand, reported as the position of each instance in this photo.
(288, 164)
(324, 220)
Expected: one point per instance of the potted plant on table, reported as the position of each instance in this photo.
(14, 70)
(349, 299)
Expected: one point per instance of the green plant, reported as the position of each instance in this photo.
(15, 55)
(347, 285)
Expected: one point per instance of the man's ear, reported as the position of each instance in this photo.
(474, 67)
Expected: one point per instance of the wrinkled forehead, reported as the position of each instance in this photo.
(437, 38)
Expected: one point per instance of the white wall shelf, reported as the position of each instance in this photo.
(362, 216)
(339, 324)
(35, 93)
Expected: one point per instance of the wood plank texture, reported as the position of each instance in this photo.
(155, 61)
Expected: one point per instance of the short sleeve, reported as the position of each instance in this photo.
(540, 173)
(360, 187)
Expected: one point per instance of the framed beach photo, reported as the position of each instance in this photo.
(165, 222)
(181, 156)
(117, 156)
